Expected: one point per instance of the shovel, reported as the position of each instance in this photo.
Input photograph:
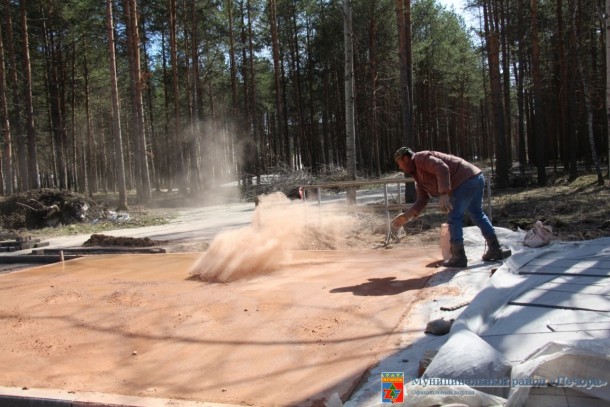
(387, 238)
(391, 234)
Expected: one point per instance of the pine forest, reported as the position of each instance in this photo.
(186, 95)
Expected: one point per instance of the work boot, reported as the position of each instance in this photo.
(494, 251)
(458, 256)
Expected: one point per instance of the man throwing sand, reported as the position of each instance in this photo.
(459, 186)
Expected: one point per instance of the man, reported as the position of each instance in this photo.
(459, 186)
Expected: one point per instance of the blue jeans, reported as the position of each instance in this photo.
(468, 197)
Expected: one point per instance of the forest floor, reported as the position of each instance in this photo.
(577, 210)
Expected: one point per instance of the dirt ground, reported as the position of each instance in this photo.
(140, 325)
(576, 210)
(307, 327)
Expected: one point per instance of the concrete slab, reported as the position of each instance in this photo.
(139, 325)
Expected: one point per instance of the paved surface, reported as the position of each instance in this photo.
(188, 231)
(197, 225)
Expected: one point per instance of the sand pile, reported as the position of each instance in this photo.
(278, 226)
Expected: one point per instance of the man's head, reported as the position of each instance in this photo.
(402, 156)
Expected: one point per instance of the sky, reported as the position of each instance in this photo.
(458, 6)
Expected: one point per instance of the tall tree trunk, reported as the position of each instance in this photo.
(53, 66)
(607, 36)
(73, 175)
(573, 118)
(493, 51)
(21, 174)
(134, 123)
(587, 100)
(168, 158)
(296, 84)
(327, 116)
(187, 146)
(505, 28)
(233, 68)
(403, 19)
(403, 22)
(350, 126)
(91, 182)
(253, 96)
(246, 140)
(538, 99)
(196, 180)
(279, 106)
(155, 156)
(116, 111)
(133, 48)
(180, 169)
(7, 156)
(374, 134)
(34, 177)
(520, 79)
(313, 136)
(563, 84)
(232, 63)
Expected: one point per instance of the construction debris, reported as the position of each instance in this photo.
(439, 326)
(114, 241)
(456, 305)
(20, 243)
(425, 361)
(82, 251)
(47, 207)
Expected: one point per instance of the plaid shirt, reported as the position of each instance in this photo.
(437, 174)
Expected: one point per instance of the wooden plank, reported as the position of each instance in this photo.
(9, 243)
(35, 259)
(358, 183)
(398, 207)
(26, 245)
(101, 250)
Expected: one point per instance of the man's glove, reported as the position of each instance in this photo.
(445, 203)
(401, 219)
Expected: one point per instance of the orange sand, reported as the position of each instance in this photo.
(140, 325)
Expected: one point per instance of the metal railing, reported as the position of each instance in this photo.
(385, 182)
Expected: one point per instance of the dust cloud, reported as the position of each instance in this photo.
(278, 226)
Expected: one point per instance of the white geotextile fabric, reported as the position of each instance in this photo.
(467, 358)
(466, 355)
(585, 363)
(507, 284)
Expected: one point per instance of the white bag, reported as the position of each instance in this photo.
(539, 236)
